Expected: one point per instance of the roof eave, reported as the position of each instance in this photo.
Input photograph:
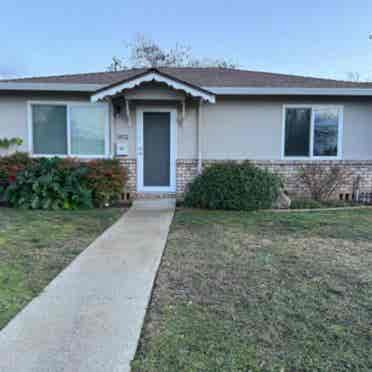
(54, 87)
(298, 91)
(204, 92)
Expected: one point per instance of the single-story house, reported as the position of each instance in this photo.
(166, 124)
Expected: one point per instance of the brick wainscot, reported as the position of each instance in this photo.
(187, 169)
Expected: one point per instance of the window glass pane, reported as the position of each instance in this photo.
(325, 132)
(297, 132)
(87, 130)
(49, 127)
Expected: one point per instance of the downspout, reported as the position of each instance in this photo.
(199, 140)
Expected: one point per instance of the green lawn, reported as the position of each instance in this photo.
(36, 245)
(262, 292)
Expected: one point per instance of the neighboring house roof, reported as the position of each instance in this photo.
(216, 80)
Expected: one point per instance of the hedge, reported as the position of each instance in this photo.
(60, 183)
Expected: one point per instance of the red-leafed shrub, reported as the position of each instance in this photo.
(106, 178)
(10, 166)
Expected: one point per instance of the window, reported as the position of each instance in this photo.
(297, 132)
(69, 129)
(49, 129)
(326, 132)
(312, 132)
(87, 130)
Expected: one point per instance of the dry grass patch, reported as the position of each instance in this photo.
(262, 292)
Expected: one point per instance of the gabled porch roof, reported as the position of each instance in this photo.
(154, 75)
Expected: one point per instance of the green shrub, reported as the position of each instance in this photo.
(55, 183)
(5, 143)
(51, 184)
(233, 186)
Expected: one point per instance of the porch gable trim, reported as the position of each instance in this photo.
(153, 75)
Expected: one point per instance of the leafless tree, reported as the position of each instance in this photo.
(322, 181)
(353, 76)
(145, 52)
(116, 64)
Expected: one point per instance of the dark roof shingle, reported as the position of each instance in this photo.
(203, 77)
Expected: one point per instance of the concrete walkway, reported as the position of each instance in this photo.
(89, 318)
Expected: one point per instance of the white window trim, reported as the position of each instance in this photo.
(340, 109)
(68, 105)
(173, 149)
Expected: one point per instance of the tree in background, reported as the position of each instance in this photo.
(145, 52)
(116, 64)
(353, 76)
(356, 77)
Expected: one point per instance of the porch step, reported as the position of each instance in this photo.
(158, 204)
(153, 195)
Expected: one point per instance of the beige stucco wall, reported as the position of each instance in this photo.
(186, 138)
(251, 128)
(13, 120)
(13, 113)
(241, 129)
(152, 91)
(357, 137)
(233, 128)
(159, 96)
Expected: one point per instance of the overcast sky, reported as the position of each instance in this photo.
(326, 38)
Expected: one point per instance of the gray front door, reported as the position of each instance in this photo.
(156, 149)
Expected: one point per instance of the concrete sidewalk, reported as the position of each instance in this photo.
(89, 318)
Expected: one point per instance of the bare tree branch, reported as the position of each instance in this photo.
(116, 65)
(353, 76)
(145, 52)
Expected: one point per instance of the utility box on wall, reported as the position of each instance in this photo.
(122, 148)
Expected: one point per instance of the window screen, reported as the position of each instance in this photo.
(87, 130)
